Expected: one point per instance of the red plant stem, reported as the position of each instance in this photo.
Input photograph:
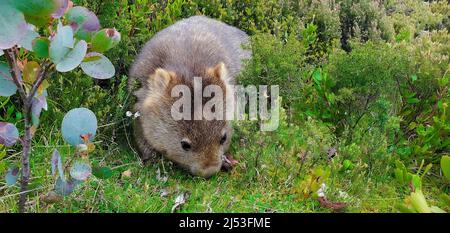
(27, 100)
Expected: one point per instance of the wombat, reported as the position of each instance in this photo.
(194, 47)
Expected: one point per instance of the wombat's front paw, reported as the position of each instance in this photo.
(146, 152)
(228, 162)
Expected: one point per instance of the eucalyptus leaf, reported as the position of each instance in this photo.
(65, 188)
(80, 171)
(100, 68)
(11, 176)
(12, 25)
(83, 21)
(57, 165)
(61, 44)
(41, 47)
(8, 134)
(36, 9)
(73, 58)
(26, 41)
(105, 39)
(7, 86)
(83, 18)
(78, 122)
(62, 6)
(30, 72)
(38, 103)
(102, 172)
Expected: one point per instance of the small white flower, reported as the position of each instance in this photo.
(321, 191)
(163, 193)
(137, 114)
(128, 114)
(82, 147)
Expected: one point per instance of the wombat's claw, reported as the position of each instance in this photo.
(228, 162)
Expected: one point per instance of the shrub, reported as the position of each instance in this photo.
(362, 77)
(31, 58)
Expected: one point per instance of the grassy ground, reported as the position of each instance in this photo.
(268, 177)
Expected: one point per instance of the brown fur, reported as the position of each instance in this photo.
(195, 47)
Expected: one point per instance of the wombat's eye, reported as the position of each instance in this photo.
(223, 139)
(185, 145)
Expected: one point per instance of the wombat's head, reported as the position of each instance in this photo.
(197, 145)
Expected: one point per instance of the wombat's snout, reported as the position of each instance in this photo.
(206, 170)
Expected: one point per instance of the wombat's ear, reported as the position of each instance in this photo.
(219, 71)
(160, 79)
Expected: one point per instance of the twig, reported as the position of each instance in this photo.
(22, 192)
(124, 165)
(16, 75)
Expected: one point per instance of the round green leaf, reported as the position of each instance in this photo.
(445, 165)
(57, 165)
(61, 43)
(8, 134)
(99, 68)
(78, 122)
(36, 12)
(80, 171)
(83, 18)
(65, 188)
(102, 172)
(73, 58)
(11, 176)
(12, 25)
(38, 103)
(105, 39)
(61, 8)
(41, 47)
(26, 42)
(83, 22)
(7, 86)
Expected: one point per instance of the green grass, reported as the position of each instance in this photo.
(267, 178)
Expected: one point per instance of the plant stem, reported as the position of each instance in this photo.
(27, 102)
(26, 144)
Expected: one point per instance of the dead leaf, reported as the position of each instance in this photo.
(126, 173)
(179, 201)
(159, 177)
(44, 85)
(163, 193)
(51, 198)
(335, 206)
(86, 137)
